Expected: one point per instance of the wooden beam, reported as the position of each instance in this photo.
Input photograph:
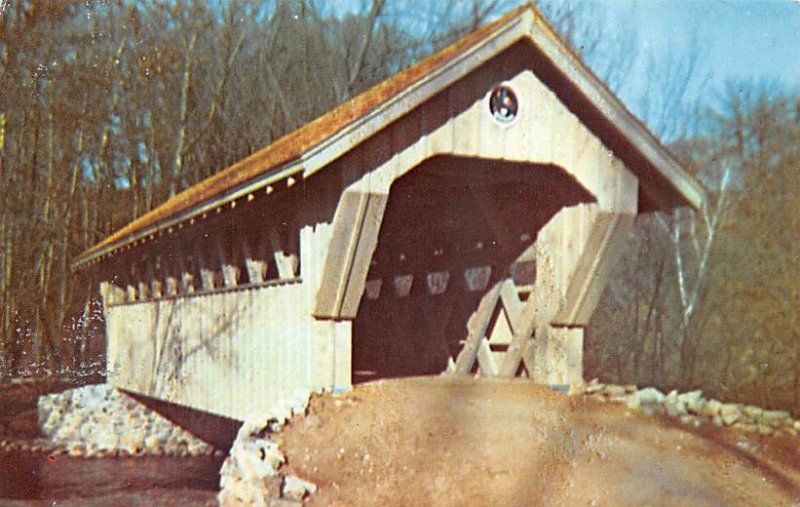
(605, 242)
(187, 278)
(373, 288)
(207, 279)
(171, 274)
(477, 278)
(402, 285)
(176, 270)
(437, 282)
(230, 272)
(111, 294)
(286, 262)
(514, 307)
(256, 265)
(130, 293)
(139, 285)
(171, 285)
(476, 330)
(230, 275)
(144, 290)
(342, 356)
(155, 284)
(353, 241)
(486, 360)
(529, 352)
(523, 319)
(132, 289)
(207, 275)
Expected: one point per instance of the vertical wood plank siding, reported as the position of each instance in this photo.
(234, 353)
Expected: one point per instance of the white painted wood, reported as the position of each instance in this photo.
(558, 356)
(171, 285)
(286, 262)
(608, 235)
(545, 132)
(501, 333)
(343, 349)
(130, 293)
(255, 270)
(208, 279)
(232, 353)
(156, 289)
(486, 359)
(230, 275)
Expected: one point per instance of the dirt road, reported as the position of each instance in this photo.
(440, 441)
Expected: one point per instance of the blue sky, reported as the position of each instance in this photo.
(738, 38)
(755, 40)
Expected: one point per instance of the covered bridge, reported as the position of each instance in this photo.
(462, 215)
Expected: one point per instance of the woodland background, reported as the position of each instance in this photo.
(109, 107)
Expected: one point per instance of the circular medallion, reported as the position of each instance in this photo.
(503, 104)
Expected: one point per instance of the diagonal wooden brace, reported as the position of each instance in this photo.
(486, 359)
(523, 324)
(476, 330)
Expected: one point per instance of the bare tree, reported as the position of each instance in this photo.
(693, 237)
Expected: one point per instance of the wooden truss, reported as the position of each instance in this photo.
(499, 334)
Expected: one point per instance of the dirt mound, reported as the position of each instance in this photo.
(447, 441)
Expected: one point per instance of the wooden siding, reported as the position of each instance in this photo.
(457, 122)
(234, 353)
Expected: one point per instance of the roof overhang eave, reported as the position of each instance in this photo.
(687, 190)
(331, 148)
(283, 173)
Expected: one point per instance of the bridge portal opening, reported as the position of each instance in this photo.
(452, 228)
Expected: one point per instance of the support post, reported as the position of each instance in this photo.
(342, 356)
(155, 284)
(111, 293)
(230, 273)
(207, 277)
(256, 264)
(286, 261)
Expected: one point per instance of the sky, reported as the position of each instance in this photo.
(738, 38)
(755, 40)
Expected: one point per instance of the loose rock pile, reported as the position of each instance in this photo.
(99, 421)
(692, 408)
(38, 445)
(251, 473)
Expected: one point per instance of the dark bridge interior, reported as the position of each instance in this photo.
(453, 226)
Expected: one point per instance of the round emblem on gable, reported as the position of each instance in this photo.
(503, 104)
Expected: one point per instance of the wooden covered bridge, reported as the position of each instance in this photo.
(462, 215)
